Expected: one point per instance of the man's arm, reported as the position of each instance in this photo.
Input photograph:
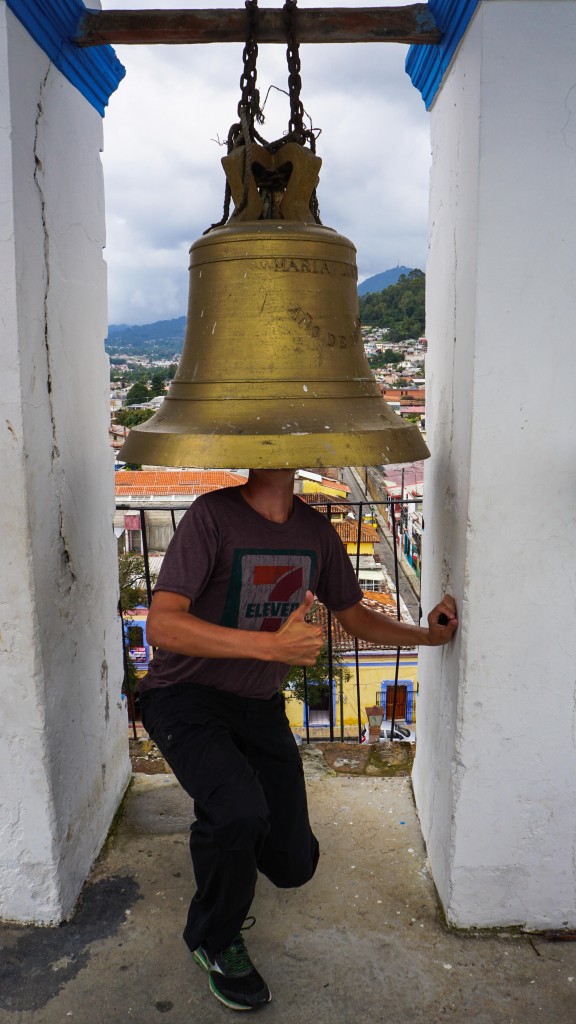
(367, 624)
(171, 627)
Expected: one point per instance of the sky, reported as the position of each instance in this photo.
(165, 184)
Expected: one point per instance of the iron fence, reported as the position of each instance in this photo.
(339, 714)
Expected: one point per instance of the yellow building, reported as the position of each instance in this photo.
(376, 676)
(359, 683)
(347, 530)
(311, 483)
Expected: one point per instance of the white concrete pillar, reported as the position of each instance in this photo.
(63, 732)
(495, 773)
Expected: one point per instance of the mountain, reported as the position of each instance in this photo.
(164, 338)
(378, 282)
(161, 340)
(399, 307)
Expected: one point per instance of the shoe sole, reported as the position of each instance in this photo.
(228, 1002)
(199, 958)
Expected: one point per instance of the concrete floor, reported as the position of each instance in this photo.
(362, 941)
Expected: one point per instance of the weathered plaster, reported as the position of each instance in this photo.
(495, 773)
(63, 739)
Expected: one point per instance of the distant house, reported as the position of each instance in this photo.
(415, 413)
(117, 434)
(379, 679)
(135, 631)
(354, 544)
(359, 541)
(406, 483)
(412, 396)
(318, 501)
(310, 483)
(164, 495)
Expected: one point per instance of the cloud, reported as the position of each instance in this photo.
(165, 185)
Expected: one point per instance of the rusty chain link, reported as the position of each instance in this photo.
(243, 133)
(296, 122)
(250, 96)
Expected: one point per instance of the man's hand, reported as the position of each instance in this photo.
(172, 627)
(298, 642)
(442, 622)
(367, 624)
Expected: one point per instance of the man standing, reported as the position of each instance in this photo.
(229, 618)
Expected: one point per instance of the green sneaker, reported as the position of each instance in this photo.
(233, 978)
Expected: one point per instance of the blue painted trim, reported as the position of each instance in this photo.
(410, 703)
(410, 692)
(95, 71)
(427, 65)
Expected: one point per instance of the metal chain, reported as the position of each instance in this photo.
(296, 123)
(244, 133)
(250, 97)
(296, 130)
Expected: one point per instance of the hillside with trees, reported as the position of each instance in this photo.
(378, 282)
(399, 308)
(160, 340)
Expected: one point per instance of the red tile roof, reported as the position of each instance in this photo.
(318, 500)
(348, 532)
(385, 604)
(181, 481)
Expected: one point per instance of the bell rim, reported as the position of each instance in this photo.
(272, 451)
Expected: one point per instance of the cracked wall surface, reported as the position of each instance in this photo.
(63, 735)
(495, 772)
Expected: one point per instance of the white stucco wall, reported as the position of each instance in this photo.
(495, 774)
(63, 733)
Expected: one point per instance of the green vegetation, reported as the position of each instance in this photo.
(132, 417)
(138, 394)
(154, 378)
(399, 308)
(386, 358)
(317, 677)
(132, 579)
(160, 340)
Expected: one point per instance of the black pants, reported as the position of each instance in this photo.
(238, 760)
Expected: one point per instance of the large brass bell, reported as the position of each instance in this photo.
(273, 372)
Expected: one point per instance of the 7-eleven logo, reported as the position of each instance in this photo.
(273, 586)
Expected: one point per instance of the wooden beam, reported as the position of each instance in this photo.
(413, 24)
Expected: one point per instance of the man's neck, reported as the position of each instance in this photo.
(270, 492)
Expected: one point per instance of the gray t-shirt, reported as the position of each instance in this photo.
(241, 570)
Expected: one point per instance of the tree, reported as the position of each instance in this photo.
(157, 381)
(400, 307)
(316, 686)
(138, 394)
(393, 357)
(132, 579)
(131, 417)
(386, 358)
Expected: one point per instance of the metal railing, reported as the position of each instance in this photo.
(391, 516)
